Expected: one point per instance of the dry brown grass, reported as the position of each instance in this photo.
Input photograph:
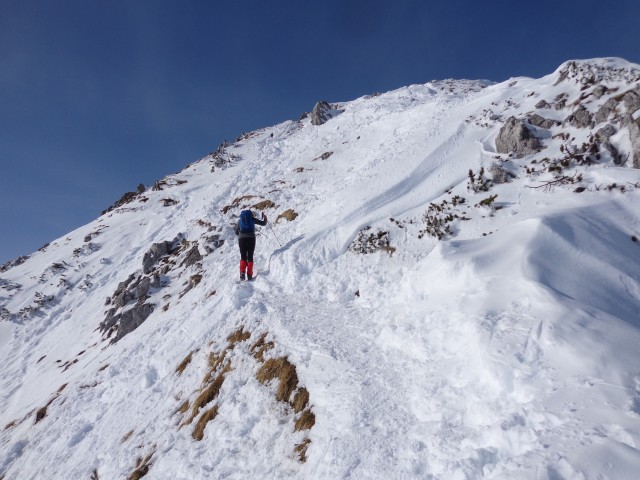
(195, 279)
(215, 360)
(184, 363)
(126, 436)
(300, 400)
(261, 347)
(142, 467)
(264, 205)
(239, 336)
(184, 407)
(237, 202)
(301, 450)
(288, 215)
(306, 421)
(208, 394)
(41, 413)
(284, 371)
(11, 424)
(198, 430)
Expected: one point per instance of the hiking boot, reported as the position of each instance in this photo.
(242, 276)
(249, 276)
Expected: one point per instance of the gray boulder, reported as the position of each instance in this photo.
(605, 133)
(581, 118)
(543, 104)
(142, 289)
(541, 122)
(634, 136)
(514, 137)
(132, 319)
(155, 282)
(599, 91)
(631, 101)
(157, 251)
(605, 111)
(602, 136)
(193, 256)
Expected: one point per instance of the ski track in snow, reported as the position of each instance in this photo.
(506, 352)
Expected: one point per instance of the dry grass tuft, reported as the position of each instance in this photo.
(264, 205)
(301, 450)
(284, 371)
(208, 394)
(187, 360)
(215, 360)
(198, 430)
(184, 407)
(103, 367)
(41, 413)
(142, 467)
(239, 336)
(94, 475)
(300, 400)
(288, 215)
(126, 436)
(261, 347)
(11, 424)
(236, 202)
(306, 421)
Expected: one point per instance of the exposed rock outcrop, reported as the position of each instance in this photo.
(581, 118)
(515, 138)
(542, 122)
(631, 101)
(155, 253)
(605, 111)
(634, 136)
(323, 112)
(193, 256)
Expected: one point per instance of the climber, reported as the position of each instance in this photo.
(245, 229)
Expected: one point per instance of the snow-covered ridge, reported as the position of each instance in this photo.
(448, 288)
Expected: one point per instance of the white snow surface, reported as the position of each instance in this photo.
(507, 350)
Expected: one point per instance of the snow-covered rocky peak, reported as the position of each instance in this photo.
(448, 287)
(598, 71)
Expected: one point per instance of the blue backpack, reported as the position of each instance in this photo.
(246, 222)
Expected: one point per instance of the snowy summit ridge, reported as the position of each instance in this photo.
(448, 288)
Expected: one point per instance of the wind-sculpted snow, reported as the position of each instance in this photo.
(428, 303)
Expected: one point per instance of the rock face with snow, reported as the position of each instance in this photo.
(436, 304)
(581, 118)
(515, 138)
(322, 112)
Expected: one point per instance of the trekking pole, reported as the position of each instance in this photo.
(274, 234)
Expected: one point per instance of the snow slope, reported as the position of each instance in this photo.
(505, 350)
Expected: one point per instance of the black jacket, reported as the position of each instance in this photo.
(240, 234)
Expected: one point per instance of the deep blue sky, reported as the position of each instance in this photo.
(97, 97)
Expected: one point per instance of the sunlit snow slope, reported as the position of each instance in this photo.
(424, 307)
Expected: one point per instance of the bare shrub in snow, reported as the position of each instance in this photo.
(371, 242)
(478, 183)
